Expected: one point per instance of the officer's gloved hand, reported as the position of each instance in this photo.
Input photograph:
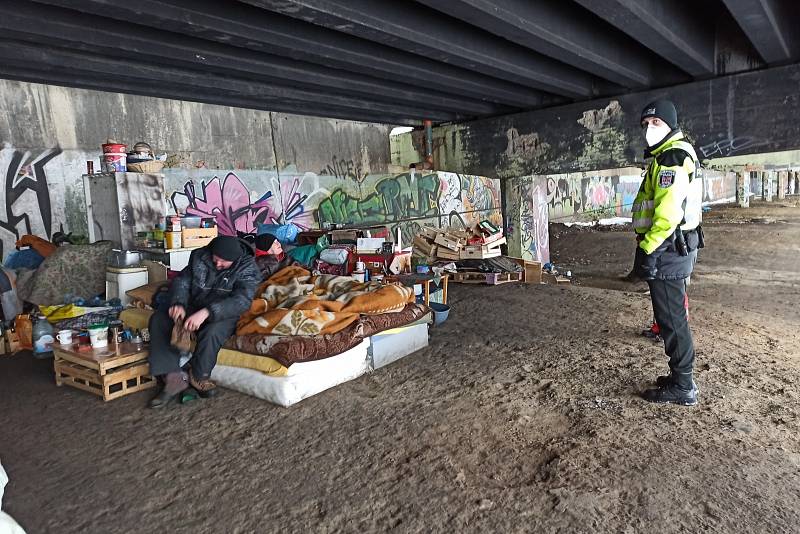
(644, 265)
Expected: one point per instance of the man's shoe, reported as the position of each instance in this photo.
(174, 384)
(665, 380)
(205, 387)
(162, 399)
(671, 394)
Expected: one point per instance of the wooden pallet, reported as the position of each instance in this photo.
(492, 279)
(106, 373)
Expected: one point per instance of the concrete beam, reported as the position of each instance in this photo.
(748, 113)
(122, 84)
(562, 31)
(21, 54)
(769, 25)
(414, 29)
(67, 28)
(256, 29)
(670, 29)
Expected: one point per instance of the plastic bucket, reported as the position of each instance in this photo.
(115, 162)
(440, 312)
(98, 337)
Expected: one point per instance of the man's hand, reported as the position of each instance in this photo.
(177, 312)
(195, 320)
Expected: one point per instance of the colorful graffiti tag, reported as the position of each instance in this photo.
(229, 200)
(28, 208)
(527, 225)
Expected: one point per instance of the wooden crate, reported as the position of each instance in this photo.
(492, 279)
(107, 373)
(533, 270)
(197, 237)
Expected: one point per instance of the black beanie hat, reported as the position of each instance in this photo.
(664, 110)
(264, 241)
(226, 247)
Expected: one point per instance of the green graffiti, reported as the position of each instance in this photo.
(396, 198)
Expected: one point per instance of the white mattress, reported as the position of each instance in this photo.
(304, 379)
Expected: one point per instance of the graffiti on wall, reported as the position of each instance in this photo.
(344, 169)
(28, 209)
(402, 201)
(405, 197)
(229, 200)
(527, 220)
(238, 208)
(569, 195)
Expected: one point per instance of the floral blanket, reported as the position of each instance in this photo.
(294, 302)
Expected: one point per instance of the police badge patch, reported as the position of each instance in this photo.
(666, 178)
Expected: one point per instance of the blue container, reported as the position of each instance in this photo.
(440, 312)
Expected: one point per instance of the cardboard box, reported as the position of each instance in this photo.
(11, 342)
(401, 263)
(369, 245)
(197, 237)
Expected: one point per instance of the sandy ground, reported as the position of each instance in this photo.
(522, 416)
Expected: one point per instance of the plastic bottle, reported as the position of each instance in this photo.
(42, 338)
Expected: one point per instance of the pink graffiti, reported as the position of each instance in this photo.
(293, 209)
(229, 201)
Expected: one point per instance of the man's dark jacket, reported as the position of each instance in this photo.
(226, 294)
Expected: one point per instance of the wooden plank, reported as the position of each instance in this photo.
(447, 242)
(141, 385)
(119, 361)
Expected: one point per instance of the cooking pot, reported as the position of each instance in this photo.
(124, 258)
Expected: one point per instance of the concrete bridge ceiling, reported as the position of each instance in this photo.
(391, 61)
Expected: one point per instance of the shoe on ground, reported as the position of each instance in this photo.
(665, 380)
(649, 334)
(671, 394)
(205, 387)
(174, 384)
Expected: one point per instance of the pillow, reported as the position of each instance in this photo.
(147, 292)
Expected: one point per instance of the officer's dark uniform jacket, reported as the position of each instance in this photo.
(669, 202)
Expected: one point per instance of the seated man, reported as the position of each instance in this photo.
(209, 295)
(270, 256)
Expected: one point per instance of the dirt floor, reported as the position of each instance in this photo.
(522, 416)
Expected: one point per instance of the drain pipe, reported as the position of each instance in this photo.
(428, 142)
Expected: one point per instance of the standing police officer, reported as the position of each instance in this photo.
(666, 217)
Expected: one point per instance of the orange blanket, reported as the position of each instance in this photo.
(42, 246)
(293, 302)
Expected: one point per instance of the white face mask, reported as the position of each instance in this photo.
(655, 134)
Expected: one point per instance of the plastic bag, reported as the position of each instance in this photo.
(286, 233)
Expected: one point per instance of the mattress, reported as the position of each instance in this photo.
(304, 379)
(301, 380)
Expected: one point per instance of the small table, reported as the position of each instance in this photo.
(109, 372)
(425, 280)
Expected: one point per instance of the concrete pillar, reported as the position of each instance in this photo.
(795, 188)
(742, 189)
(783, 181)
(766, 186)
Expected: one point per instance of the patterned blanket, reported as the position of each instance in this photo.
(293, 302)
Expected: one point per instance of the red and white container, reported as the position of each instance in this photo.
(115, 162)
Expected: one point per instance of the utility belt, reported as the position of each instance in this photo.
(681, 239)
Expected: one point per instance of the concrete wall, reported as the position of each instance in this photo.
(48, 133)
(739, 114)
(586, 196)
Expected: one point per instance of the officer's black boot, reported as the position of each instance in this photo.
(672, 393)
